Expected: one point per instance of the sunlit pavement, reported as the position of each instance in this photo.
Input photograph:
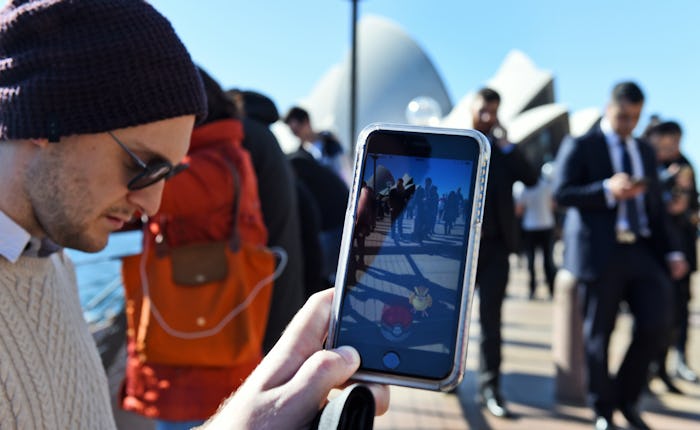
(528, 377)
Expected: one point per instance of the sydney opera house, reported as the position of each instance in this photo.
(397, 83)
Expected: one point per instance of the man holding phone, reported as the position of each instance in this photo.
(617, 243)
(498, 240)
(98, 100)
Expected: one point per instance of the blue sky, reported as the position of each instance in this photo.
(283, 47)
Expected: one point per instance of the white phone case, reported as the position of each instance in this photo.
(468, 280)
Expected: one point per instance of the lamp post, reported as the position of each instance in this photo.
(353, 76)
(374, 175)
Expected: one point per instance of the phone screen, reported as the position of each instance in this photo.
(405, 269)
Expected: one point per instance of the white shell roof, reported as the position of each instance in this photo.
(533, 120)
(517, 81)
(392, 70)
(581, 121)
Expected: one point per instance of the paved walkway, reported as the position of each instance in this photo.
(528, 378)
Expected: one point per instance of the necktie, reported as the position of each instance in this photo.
(630, 204)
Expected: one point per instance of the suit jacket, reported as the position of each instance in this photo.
(683, 224)
(328, 190)
(499, 211)
(589, 227)
(278, 201)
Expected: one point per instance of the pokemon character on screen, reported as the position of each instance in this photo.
(421, 300)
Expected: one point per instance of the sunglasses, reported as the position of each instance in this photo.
(155, 170)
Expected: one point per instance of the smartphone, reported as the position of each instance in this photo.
(639, 181)
(407, 263)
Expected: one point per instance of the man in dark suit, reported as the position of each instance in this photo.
(279, 205)
(329, 199)
(498, 240)
(618, 244)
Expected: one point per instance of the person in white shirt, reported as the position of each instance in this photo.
(535, 205)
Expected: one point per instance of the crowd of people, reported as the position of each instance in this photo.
(424, 207)
(629, 230)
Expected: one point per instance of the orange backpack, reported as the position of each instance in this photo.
(195, 297)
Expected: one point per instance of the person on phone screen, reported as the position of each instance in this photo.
(98, 100)
(498, 240)
(618, 245)
(397, 205)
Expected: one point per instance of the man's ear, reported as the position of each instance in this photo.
(41, 143)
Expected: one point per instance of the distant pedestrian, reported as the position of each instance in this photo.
(535, 205)
(451, 211)
(433, 200)
(363, 224)
(397, 206)
(681, 198)
(421, 204)
(322, 145)
(617, 243)
(498, 240)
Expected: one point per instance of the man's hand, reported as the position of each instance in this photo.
(293, 381)
(623, 187)
(678, 204)
(673, 169)
(519, 209)
(501, 136)
(678, 268)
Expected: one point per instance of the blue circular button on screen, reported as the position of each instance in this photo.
(391, 360)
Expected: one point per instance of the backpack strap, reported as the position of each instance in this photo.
(235, 241)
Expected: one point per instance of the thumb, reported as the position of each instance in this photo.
(323, 371)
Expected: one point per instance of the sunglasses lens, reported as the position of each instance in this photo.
(150, 175)
(158, 172)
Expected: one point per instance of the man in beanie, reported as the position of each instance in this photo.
(98, 100)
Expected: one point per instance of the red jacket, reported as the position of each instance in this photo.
(197, 205)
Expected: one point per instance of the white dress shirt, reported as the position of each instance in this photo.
(615, 151)
(13, 238)
(16, 242)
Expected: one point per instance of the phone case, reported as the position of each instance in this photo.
(468, 281)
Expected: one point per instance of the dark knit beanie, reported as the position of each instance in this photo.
(88, 66)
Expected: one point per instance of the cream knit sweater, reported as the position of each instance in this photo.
(51, 376)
